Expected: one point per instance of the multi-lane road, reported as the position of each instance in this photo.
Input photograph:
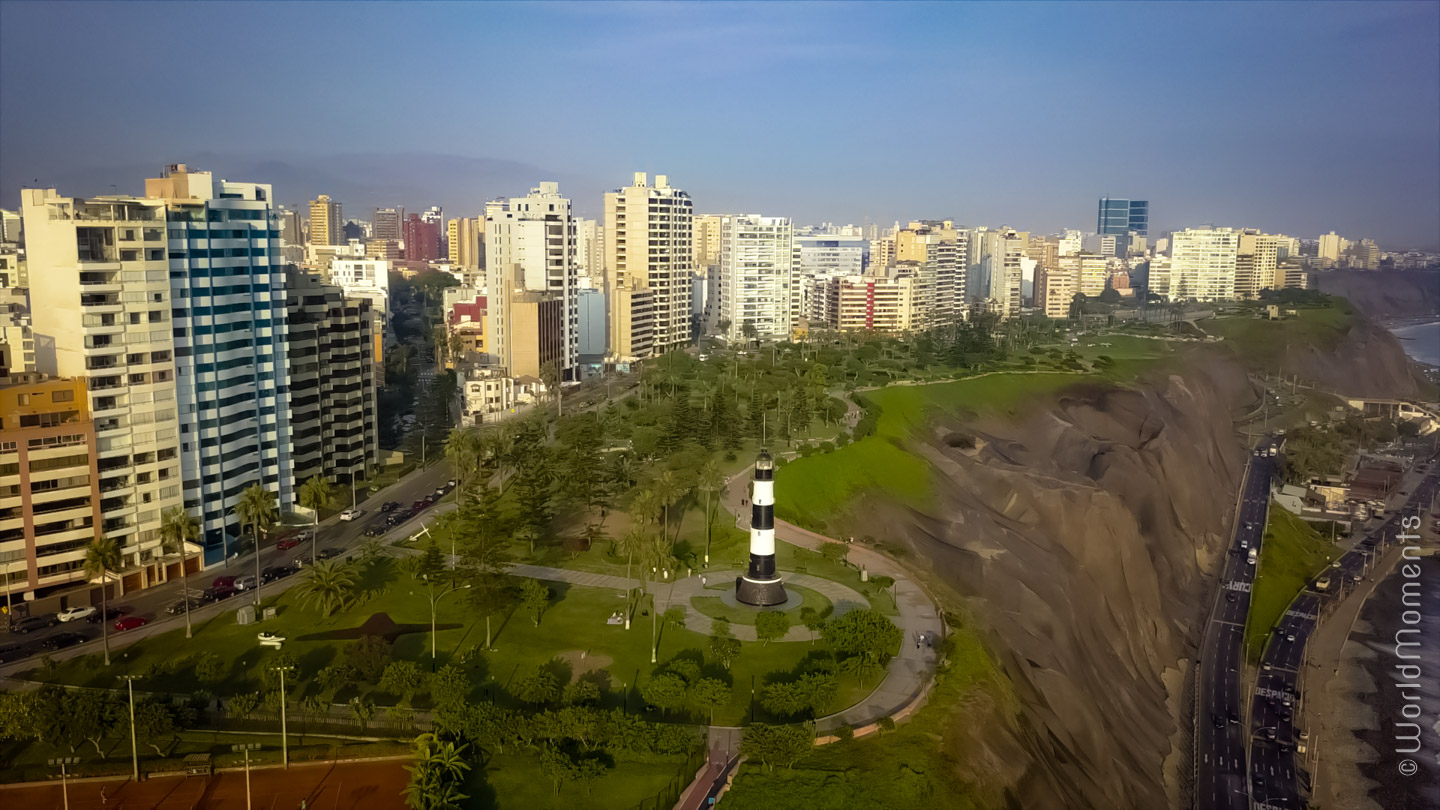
(1220, 734)
(1276, 781)
(150, 603)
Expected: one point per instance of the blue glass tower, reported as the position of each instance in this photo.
(1122, 217)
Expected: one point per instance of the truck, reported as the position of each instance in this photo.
(1252, 556)
(1322, 584)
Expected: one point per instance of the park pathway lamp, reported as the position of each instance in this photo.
(134, 751)
(284, 739)
(434, 601)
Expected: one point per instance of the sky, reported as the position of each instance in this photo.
(1298, 118)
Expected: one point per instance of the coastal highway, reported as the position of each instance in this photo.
(1276, 781)
(1220, 735)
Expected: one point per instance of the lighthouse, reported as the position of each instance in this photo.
(760, 586)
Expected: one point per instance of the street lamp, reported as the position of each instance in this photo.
(284, 739)
(64, 785)
(247, 748)
(435, 600)
(134, 751)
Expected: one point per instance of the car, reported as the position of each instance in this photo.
(1233, 551)
(217, 592)
(449, 485)
(350, 514)
(1289, 636)
(245, 583)
(276, 572)
(389, 506)
(439, 493)
(1284, 714)
(223, 582)
(327, 553)
(270, 638)
(130, 623)
(1270, 733)
(178, 606)
(417, 506)
(60, 641)
(109, 614)
(1233, 717)
(374, 530)
(1244, 543)
(11, 652)
(25, 625)
(287, 543)
(70, 614)
(1217, 720)
(395, 518)
(1230, 596)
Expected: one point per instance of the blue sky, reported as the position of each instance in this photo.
(1295, 117)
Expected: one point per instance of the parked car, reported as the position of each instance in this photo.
(449, 485)
(60, 641)
(245, 583)
(25, 625)
(287, 543)
(130, 623)
(223, 582)
(276, 572)
(350, 514)
(375, 529)
(396, 518)
(11, 652)
(109, 614)
(217, 592)
(417, 506)
(70, 614)
(439, 493)
(178, 606)
(327, 553)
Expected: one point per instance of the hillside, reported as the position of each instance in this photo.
(1386, 294)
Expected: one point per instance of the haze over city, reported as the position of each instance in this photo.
(1296, 118)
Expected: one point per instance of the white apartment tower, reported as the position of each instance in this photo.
(1202, 264)
(530, 244)
(649, 277)
(756, 276)
(101, 309)
(1257, 258)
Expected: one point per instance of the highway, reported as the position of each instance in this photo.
(1220, 734)
(150, 603)
(1276, 781)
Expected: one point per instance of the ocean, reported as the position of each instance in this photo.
(1421, 341)
(1385, 613)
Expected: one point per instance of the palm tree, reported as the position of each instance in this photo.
(178, 527)
(330, 584)
(463, 450)
(102, 557)
(438, 767)
(667, 490)
(710, 482)
(256, 509)
(316, 494)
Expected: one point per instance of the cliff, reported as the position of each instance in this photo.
(1083, 534)
(1386, 294)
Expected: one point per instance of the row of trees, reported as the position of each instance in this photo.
(71, 718)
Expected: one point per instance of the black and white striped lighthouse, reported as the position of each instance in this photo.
(760, 585)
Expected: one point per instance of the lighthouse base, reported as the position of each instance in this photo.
(760, 592)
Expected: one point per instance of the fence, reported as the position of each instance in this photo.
(670, 794)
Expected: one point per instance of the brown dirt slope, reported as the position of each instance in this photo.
(1084, 534)
(1388, 293)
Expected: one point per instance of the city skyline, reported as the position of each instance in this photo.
(1186, 130)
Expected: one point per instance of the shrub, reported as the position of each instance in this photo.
(209, 668)
(369, 656)
(845, 732)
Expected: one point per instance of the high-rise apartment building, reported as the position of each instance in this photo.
(101, 307)
(648, 267)
(1088, 271)
(227, 296)
(1331, 247)
(1202, 264)
(870, 303)
(530, 248)
(49, 495)
(10, 230)
(1070, 243)
(387, 224)
(465, 238)
(756, 277)
(882, 254)
(589, 252)
(1365, 255)
(332, 398)
(326, 222)
(705, 241)
(932, 253)
(387, 249)
(1256, 260)
(363, 278)
(422, 239)
(996, 256)
(1123, 217)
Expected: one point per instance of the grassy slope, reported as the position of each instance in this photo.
(1264, 341)
(715, 607)
(1292, 554)
(516, 781)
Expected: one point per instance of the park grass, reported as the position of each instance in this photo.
(912, 766)
(516, 781)
(1290, 556)
(715, 608)
(1265, 341)
(574, 623)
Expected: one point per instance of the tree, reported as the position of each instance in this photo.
(865, 633)
(536, 687)
(243, 705)
(813, 621)
(363, 708)
(257, 510)
(559, 766)
(436, 774)
(836, 552)
(665, 691)
(724, 648)
(178, 527)
(92, 716)
(102, 558)
(401, 679)
(155, 721)
(709, 694)
(710, 482)
(369, 656)
(581, 693)
(463, 450)
(776, 745)
(885, 584)
(334, 678)
(316, 494)
(534, 599)
(550, 376)
(449, 686)
(771, 625)
(329, 585)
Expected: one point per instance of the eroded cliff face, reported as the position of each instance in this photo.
(1083, 535)
(1369, 362)
(1385, 294)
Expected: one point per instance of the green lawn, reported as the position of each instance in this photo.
(1290, 556)
(515, 781)
(1265, 341)
(715, 608)
(575, 623)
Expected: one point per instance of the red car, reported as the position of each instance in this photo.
(287, 543)
(129, 623)
(223, 582)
